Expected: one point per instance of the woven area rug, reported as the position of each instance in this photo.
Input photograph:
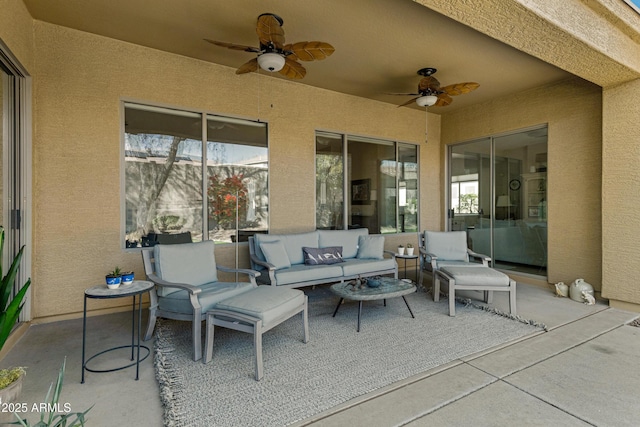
(337, 364)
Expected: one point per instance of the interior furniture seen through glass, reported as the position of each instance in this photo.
(498, 195)
(366, 183)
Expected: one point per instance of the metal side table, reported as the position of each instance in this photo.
(405, 257)
(137, 288)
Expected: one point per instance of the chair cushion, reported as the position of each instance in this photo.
(317, 256)
(190, 263)
(275, 254)
(293, 244)
(447, 245)
(348, 239)
(355, 266)
(476, 276)
(264, 302)
(179, 302)
(370, 247)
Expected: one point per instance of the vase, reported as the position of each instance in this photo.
(127, 278)
(410, 251)
(400, 250)
(113, 282)
(576, 289)
(8, 395)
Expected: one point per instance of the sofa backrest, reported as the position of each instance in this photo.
(447, 245)
(348, 239)
(293, 244)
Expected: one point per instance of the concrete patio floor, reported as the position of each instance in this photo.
(582, 371)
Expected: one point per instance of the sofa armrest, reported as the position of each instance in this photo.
(265, 264)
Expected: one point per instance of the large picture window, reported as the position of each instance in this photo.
(194, 174)
(366, 183)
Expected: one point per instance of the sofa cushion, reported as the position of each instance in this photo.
(190, 263)
(275, 254)
(300, 273)
(316, 256)
(348, 239)
(212, 293)
(293, 244)
(264, 302)
(447, 245)
(354, 266)
(370, 247)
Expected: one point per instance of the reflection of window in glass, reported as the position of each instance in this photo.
(381, 184)
(464, 194)
(165, 180)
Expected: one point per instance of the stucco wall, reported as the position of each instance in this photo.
(16, 31)
(620, 189)
(573, 111)
(80, 80)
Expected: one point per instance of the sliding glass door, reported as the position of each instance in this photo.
(498, 195)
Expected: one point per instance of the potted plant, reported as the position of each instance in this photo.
(114, 278)
(400, 249)
(10, 379)
(127, 277)
(409, 249)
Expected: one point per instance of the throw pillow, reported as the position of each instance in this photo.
(275, 253)
(317, 256)
(370, 247)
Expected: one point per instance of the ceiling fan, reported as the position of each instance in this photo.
(431, 93)
(273, 54)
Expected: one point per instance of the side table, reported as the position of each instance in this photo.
(405, 257)
(137, 288)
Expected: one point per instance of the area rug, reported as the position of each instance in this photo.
(336, 365)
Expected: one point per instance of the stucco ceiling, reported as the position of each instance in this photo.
(380, 44)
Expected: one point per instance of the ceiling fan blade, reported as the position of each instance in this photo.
(310, 51)
(443, 100)
(234, 46)
(248, 67)
(269, 30)
(429, 83)
(292, 69)
(403, 94)
(409, 101)
(460, 88)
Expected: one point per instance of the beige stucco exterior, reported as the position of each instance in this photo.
(80, 80)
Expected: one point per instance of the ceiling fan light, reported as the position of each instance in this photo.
(427, 101)
(271, 62)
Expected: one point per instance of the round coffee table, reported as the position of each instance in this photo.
(389, 288)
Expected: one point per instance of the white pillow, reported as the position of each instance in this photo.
(371, 247)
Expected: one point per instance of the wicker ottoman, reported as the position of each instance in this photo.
(255, 312)
(476, 279)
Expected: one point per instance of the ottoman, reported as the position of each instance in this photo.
(476, 279)
(255, 312)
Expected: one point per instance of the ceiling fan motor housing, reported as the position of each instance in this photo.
(271, 62)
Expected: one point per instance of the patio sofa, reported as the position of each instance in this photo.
(319, 257)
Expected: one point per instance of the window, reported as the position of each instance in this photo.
(366, 183)
(194, 173)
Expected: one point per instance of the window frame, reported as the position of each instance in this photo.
(205, 116)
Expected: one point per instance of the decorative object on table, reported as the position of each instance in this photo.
(374, 282)
(356, 284)
(127, 277)
(400, 250)
(576, 289)
(588, 298)
(11, 383)
(114, 278)
(409, 249)
(562, 290)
